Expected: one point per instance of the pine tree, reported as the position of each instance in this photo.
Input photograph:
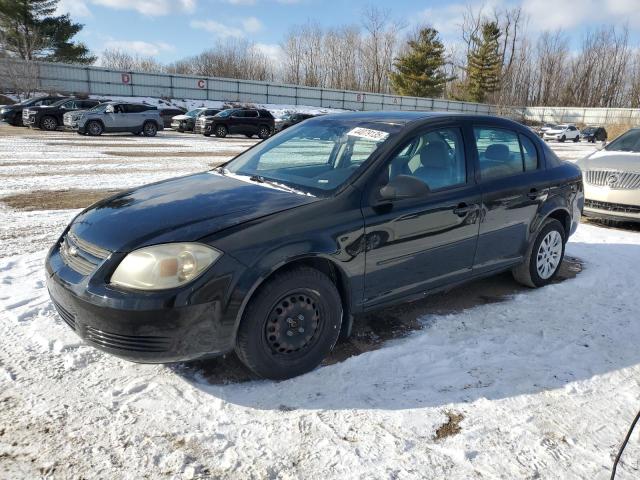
(420, 71)
(484, 64)
(29, 30)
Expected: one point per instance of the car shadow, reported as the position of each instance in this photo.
(487, 339)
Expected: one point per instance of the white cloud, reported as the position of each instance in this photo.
(242, 2)
(148, 49)
(75, 8)
(150, 7)
(273, 51)
(252, 24)
(220, 30)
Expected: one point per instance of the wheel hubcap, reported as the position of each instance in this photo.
(549, 254)
(49, 124)
(220, 131)
(149, 128)
(94, 128)
(292, 324)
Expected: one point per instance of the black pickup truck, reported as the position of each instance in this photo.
(50, 117)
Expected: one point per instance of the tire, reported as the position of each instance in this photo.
(548, 256)
(563, 139)
(94, 128)
(49, 123)
(221, 131)
(274, 339)
(149, 129)
(264, 132)
(576, 139)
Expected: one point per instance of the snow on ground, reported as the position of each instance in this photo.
(546, 381)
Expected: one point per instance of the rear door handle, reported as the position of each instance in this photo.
(464, 209)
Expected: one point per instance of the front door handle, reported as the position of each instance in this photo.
(463, 209)
(533, 193)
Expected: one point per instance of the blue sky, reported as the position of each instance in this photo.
(173, 29)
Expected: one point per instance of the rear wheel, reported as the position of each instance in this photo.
(544, 256)
(149, 129)
(576, 139)
(290, 325)
(264, 132)
(94, 128)
(563, 138)
(221, 131)
(49, 123)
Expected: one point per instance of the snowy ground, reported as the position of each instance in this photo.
(546, 382)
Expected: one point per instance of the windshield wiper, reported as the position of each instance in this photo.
(261, 179)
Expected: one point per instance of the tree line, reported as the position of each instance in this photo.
(495, 59)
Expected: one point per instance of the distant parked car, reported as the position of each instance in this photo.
(290, 119)
(202, 120)
(245, 121)
(110, 117)
(50, 117)
(547, 126)
(562, 133)
(167, 115)
(12, 114)
(186, 121)
(612, 180)
(594, 134)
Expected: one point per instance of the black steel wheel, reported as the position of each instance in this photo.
(291, 323)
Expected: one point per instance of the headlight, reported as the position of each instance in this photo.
(164, 266)
(4, 110)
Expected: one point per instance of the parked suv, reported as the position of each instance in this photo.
(50, 117)
(202, 119)
(12, 114)
(245, 121)
(187, 121)
(562, 133)
(272, 254)
(290, 120)
(594, 134)
(110, 117)
(167, 114)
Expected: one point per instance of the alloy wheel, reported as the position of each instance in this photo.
(49, 123)
(549, 255)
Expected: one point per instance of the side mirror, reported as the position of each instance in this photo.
(403, 187)
(109, 109)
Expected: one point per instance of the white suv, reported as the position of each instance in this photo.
(562, 133)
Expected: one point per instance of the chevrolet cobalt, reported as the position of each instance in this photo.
(274, 253)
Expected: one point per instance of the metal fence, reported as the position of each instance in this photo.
(101, 81)
(581, 116)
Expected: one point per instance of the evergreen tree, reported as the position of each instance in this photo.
(420, 71)
(30, 30)
(484, 64)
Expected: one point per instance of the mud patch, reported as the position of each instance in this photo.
(451, 427)
(55, 199)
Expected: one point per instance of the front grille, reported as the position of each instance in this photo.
(66, 315)
(133, 343)
(612, 207)
(613, 179)
(80, 255)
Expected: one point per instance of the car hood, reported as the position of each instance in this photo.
(183, 209)
(605, 160)
(554, 131)
(181, 117)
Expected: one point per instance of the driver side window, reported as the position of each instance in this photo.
(435, 157)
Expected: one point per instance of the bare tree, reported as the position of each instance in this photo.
(118, 59)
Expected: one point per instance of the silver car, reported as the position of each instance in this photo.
(109, 117)
(612, 179)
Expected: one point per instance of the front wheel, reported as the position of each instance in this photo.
(49, 123)
(221, 131)
(264, 132)
(544, 256)
(149, 129)
(290, 325)
(94, 128)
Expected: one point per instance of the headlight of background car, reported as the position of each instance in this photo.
(4, 110)
(164, 266)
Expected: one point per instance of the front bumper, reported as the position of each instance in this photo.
(611, 203)
(148, 327)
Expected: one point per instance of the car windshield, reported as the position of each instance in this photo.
(627, 142)
(99, 108)
(59, 102)
(225, 113)
(193, 113)
(315, 157)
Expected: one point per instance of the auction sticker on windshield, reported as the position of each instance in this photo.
(377, 135)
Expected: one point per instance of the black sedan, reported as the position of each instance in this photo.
(272, 254)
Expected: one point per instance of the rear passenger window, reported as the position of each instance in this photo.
(501, 153)
(529, 153)
(251, 114)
